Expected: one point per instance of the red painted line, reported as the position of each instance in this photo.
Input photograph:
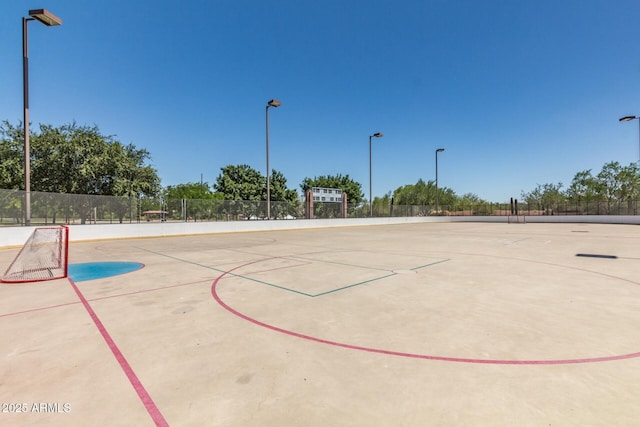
(144, 291)
(214, 292)
(151, 407)
(102, 298)
(15, 313)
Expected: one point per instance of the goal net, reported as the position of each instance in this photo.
(43, 257)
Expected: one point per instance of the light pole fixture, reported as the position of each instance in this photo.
(50, 20)
(272, 103)
(628, 119)
(375, 135)
(439, 150)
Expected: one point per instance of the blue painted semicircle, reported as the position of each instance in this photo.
(99, 270)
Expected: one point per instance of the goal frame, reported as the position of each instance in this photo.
(60, 250)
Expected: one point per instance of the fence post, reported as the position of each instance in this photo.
(308, 205)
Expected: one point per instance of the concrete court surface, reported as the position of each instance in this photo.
(435, 324)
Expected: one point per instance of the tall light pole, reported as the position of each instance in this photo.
(375, 135)
(272, 103)
(628, 119)
(439, 150)
(50, 20)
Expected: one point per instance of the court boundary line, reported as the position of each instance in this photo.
(523, 362)
(293, 257)
(139, 388)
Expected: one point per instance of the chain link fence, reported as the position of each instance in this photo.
(53, 208)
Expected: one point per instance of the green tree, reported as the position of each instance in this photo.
(583, 187)
(201, 202)
(470, 199)
(240, 182)
(419, 194)
(473, 202)
(353, 189)
(285, 201)
(447, 198)
(609, 184)
(423, 194)
(130, 171)
(547, 197)
(279, 190)
(190, 190)
(76, 159)
(382, 205)
(630, 178)
(616, 183)
(11, 157)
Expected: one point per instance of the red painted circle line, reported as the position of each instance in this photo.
(219, 300)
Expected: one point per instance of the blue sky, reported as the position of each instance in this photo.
(519, 93)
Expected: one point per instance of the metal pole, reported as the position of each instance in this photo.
(628, 119)
(268, 181)
(27, 149)
(48, 19)
(370, 182)
(437, 202)
(436, 182)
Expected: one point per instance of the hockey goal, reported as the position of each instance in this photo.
(43, 257)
